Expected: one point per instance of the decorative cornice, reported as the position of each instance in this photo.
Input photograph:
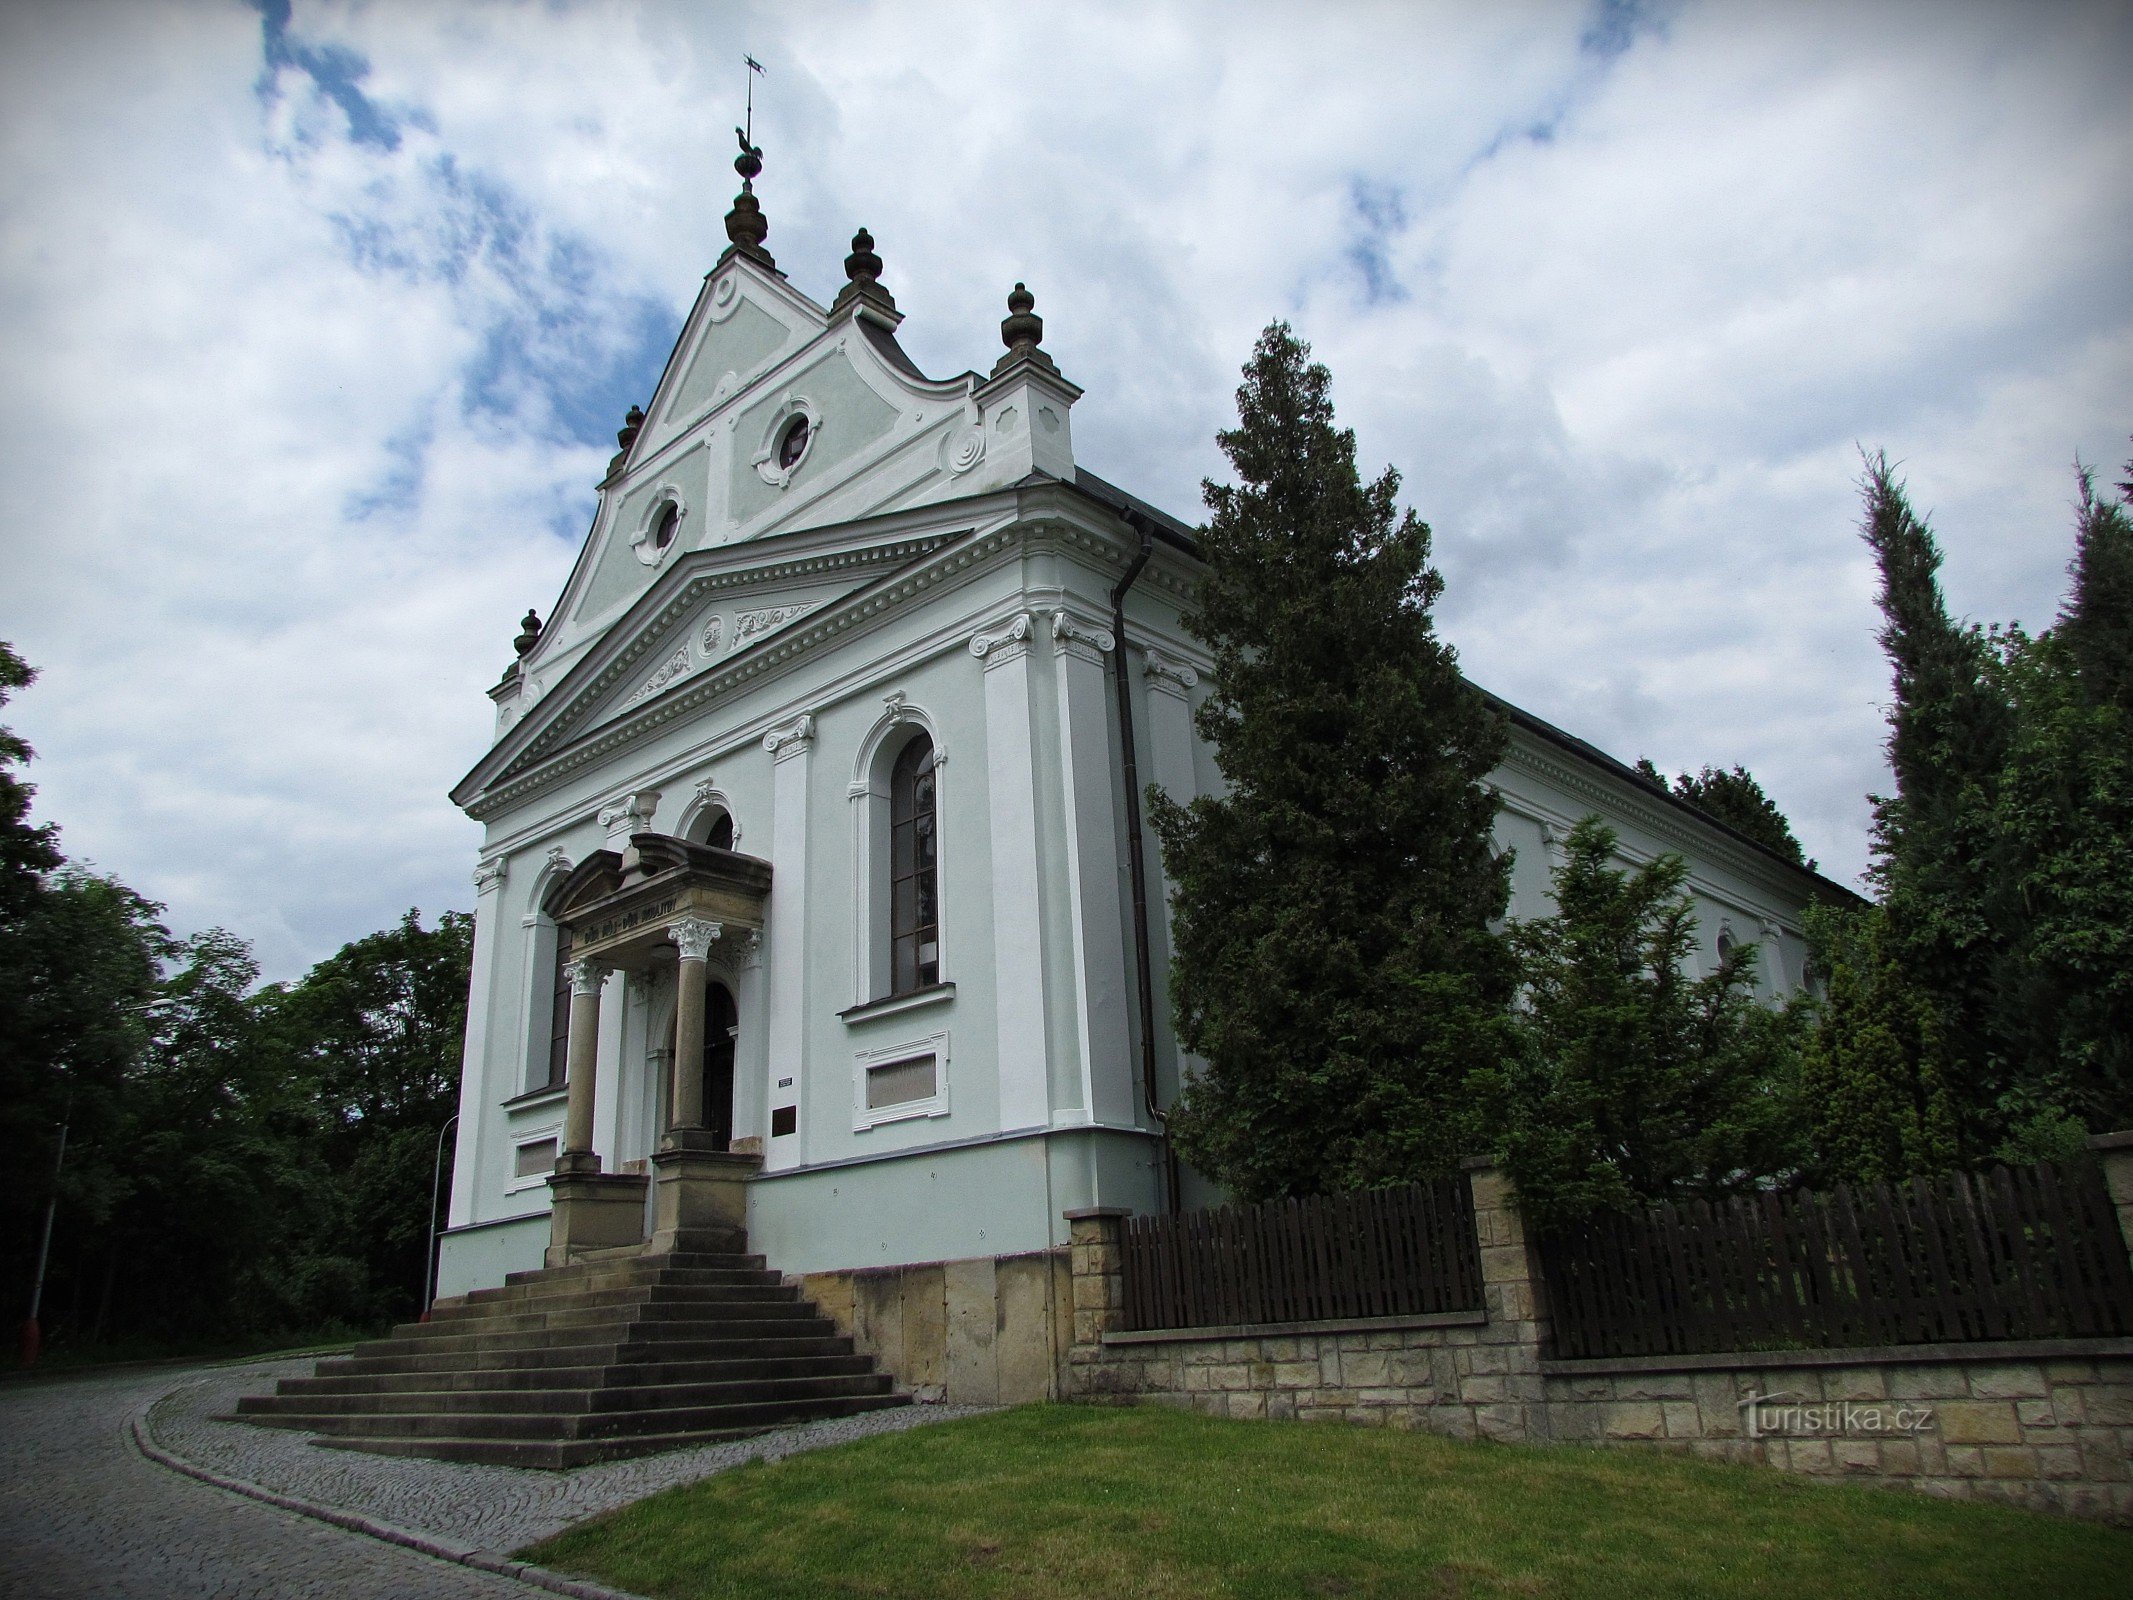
(791, 739)
(944, 556)
(694, 936)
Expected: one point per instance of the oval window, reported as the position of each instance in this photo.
(669, 524)
(792, 443)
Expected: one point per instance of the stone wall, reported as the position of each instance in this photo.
(2047, 1424)
(989, 1331)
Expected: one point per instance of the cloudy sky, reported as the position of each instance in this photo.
(317, 325)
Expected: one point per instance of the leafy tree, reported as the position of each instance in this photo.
(1636, 1080)
(1334, 962)
(375, 1033)
(25, 851)
(1737, 800)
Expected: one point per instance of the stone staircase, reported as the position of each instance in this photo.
(618, 1355)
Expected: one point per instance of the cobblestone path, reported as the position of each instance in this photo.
(82, 1513)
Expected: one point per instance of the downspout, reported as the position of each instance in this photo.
(1136, 862)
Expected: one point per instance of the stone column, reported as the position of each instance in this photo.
(1094, 1235)
(1508, 1401)
(588, 1209)
(693, 936)
(582, 1068)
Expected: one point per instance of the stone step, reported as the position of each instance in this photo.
(708, 1295)
(745, 1414)
(724, 1260)
(585, 1401)
(590, 1309)
(554, 1455)
(710, 1344)
(605, 1325)
(587, 1376)
(650, 1270)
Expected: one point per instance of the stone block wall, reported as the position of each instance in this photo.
(988, 1331)
(2047, 1424)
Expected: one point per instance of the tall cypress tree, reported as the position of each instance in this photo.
(1950, 729)
(1333, 957)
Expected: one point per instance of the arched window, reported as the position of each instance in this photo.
(719, 836)
(914, 888)
(559, 1011)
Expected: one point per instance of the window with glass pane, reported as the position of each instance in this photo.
(914, 912)
(559, 1012)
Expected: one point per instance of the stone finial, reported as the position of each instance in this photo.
(863, 268)
(745, 224)
(632, 425)
(529, 633)
(1022, 330)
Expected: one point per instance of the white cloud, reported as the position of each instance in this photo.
(310, 386)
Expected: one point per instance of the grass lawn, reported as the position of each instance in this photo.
(1058, 1501)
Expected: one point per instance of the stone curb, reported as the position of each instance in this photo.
(442, 1549)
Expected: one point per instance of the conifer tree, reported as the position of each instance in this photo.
(1331, 912)
(1737, 800)
(1950, 730)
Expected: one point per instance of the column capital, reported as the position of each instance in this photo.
(586, 976)
(792, 738)
(694, 936)
(1008, 641)
(489, 875)
(1067, 634)
(1172, 677)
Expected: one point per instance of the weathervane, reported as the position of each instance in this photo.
(750, 161)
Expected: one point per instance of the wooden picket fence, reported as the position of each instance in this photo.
(2021, 1253)
(1380, 1253)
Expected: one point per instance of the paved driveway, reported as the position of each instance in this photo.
(82, 1513)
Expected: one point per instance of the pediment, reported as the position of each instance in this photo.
(711, 616)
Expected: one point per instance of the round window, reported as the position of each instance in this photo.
(668, 525)
(792, 443)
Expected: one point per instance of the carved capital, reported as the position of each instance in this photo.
(488, 875)
(641, 983)
(747, 947)
(694, 936)
(1067, 634)
(1007, 642)
(1175, 677)
(792, 739)
(585, 977)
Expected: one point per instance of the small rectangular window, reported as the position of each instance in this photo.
(535, 1159)
(900, 1082)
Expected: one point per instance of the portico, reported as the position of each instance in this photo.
(661, 901)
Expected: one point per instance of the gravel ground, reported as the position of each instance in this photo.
(84, 1513)
(495, 1508)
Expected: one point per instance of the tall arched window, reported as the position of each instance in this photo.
(559, 1011)
(914, 889)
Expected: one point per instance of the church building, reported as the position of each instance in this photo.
(807, 893)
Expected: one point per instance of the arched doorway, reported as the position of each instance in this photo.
(722, 1020)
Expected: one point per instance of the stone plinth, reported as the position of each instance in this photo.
(699, 1194)
(592, 1210)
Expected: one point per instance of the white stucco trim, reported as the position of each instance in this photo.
(868, 793)
(867, 1062)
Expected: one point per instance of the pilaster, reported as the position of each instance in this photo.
(475, 1091)
(1098, 955)
(1017, 922)
(791, 747)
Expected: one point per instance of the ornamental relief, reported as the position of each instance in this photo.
(673, 667)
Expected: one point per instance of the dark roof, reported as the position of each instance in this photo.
(1187, 538)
